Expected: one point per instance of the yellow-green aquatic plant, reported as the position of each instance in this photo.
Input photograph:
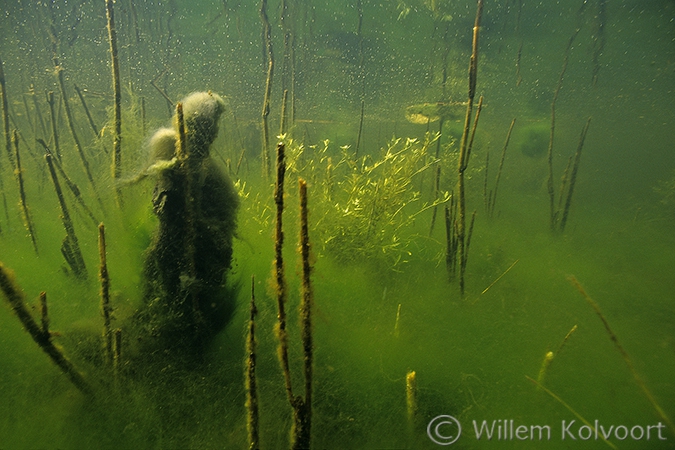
(366, 207)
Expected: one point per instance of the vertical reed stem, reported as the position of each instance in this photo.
(55, 132)
(252, 417)
(106, 309)
(71, 125)
(188, 171)
(280, 282)
(93, 126)
(117, 355)
(117, 118)
(282, 122)
(71, 185)
(573, 175)
(5, 112)
(22, 193)
(358, 137)
(493, 200)
(70, 248)
(267, 43)
(549, 184)
(464, 148)
(304, 407)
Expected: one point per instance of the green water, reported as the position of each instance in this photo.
(373, 257)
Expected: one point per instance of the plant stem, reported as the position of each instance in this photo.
(16, 299)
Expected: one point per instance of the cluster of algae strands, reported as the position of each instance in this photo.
(383, 303)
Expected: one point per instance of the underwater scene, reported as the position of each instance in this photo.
(350, 224)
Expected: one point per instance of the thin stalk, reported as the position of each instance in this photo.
(303, 407)
(500, 277)
(29, 119)
(117, 93)
(493, 200)
(437, 176)
(486, 194)
(22, 193)
(573, 175)
(106, 309)
(71, 122)
(5, 114)
(71, 185)
(15, 297)
(358, 136)
(279, 279)
(117, 355)
(282, 122)
(70, 248)
(268, 51)
(252, 411)
(38, 112)
(93, 126)
(563, 182)
(569, 408)
(44, 313)
(163, 93)
(549, 184)
(465, 149)
(191, 203)
(55, 132)
(629, 362)
(468, 241)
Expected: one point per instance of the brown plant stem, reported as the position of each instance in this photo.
(573, 175)
(279, 279)
(44, 313)
(162, 92)
(5, 112)
(93, 126)
(43, 339)
(358, 136)
(303, 407)
(268, 51)
(549, 184)
(22, 193)
(252, 411)
(493, 198)
(282, 122)
(451, 238)
(568, 407)
(55, 132)
(563, 182)
(629, 362)
(465, 148)
(71, 185)
(189, 173)
(106, 309)
(71, 125)
(117, 93)
(70, 249)
(117, 355)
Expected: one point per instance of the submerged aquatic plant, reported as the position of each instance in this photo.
(367, 206)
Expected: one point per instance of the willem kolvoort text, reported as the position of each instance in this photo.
(507, 430)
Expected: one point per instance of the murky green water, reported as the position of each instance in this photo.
(384, 302)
